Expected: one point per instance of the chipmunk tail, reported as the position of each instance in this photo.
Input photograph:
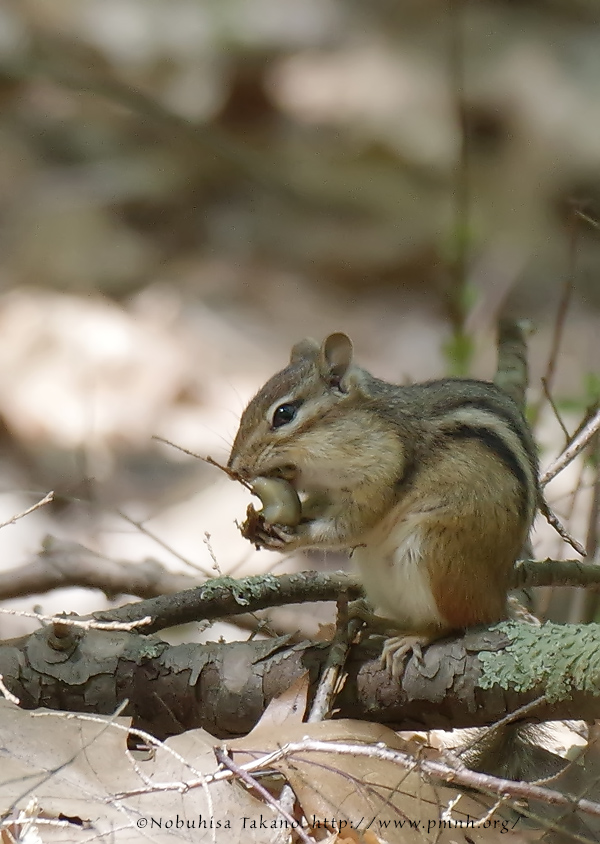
(515, 751)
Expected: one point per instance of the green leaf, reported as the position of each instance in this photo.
(458, 351)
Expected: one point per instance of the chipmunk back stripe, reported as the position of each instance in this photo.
(516, 437)
(509, 445)
(489, 406)
(495, 443)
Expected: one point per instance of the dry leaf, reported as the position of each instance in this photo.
(325, 633)
(288, 708)
(75, 767)
(347, 793)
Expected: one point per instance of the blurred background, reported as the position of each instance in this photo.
(188, 187)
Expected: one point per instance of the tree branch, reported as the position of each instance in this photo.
(226, 596)
(512, 371)
(528, 573)
(575, 447)
(61, 564)
(469, 680)
(176, 599)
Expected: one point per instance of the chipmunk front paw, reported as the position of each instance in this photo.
(263, 534)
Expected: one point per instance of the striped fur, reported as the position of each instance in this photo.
(434, 485)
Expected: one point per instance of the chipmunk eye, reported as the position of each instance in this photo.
(284, 414)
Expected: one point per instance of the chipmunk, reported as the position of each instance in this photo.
(432, 486)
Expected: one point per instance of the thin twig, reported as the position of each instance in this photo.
(483, 821)
(177, 447)
(578, 443)
(69, 621)
(145, 736)
(456, 302)
(212, 554)
(251, 782)
(485, 783)
(585, 602)
(461, 185)
(589, 220)
(330, 678)
(561, 530)
(211, 461)
(151, 785)
(45, 500)
(143, 529)
(545, 598)
(552, 403)
(27, 822)
(561, 316)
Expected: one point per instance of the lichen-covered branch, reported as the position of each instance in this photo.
(227, 596)
(471, 680)
(174, 599)
(528, 573)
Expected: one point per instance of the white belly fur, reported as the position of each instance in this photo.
(394, 575)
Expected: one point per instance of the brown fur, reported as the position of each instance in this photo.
(475, 539)
(444, 472)
(433, 485)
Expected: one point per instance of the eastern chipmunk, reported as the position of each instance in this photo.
(433, 486)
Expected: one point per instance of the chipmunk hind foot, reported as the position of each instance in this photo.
(397, 648)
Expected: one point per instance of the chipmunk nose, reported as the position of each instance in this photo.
(241, 470)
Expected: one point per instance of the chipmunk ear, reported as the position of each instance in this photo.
(307, 349)
(335, 361)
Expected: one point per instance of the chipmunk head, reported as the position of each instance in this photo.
(277, 429)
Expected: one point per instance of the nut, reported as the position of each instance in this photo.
(281, 505)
